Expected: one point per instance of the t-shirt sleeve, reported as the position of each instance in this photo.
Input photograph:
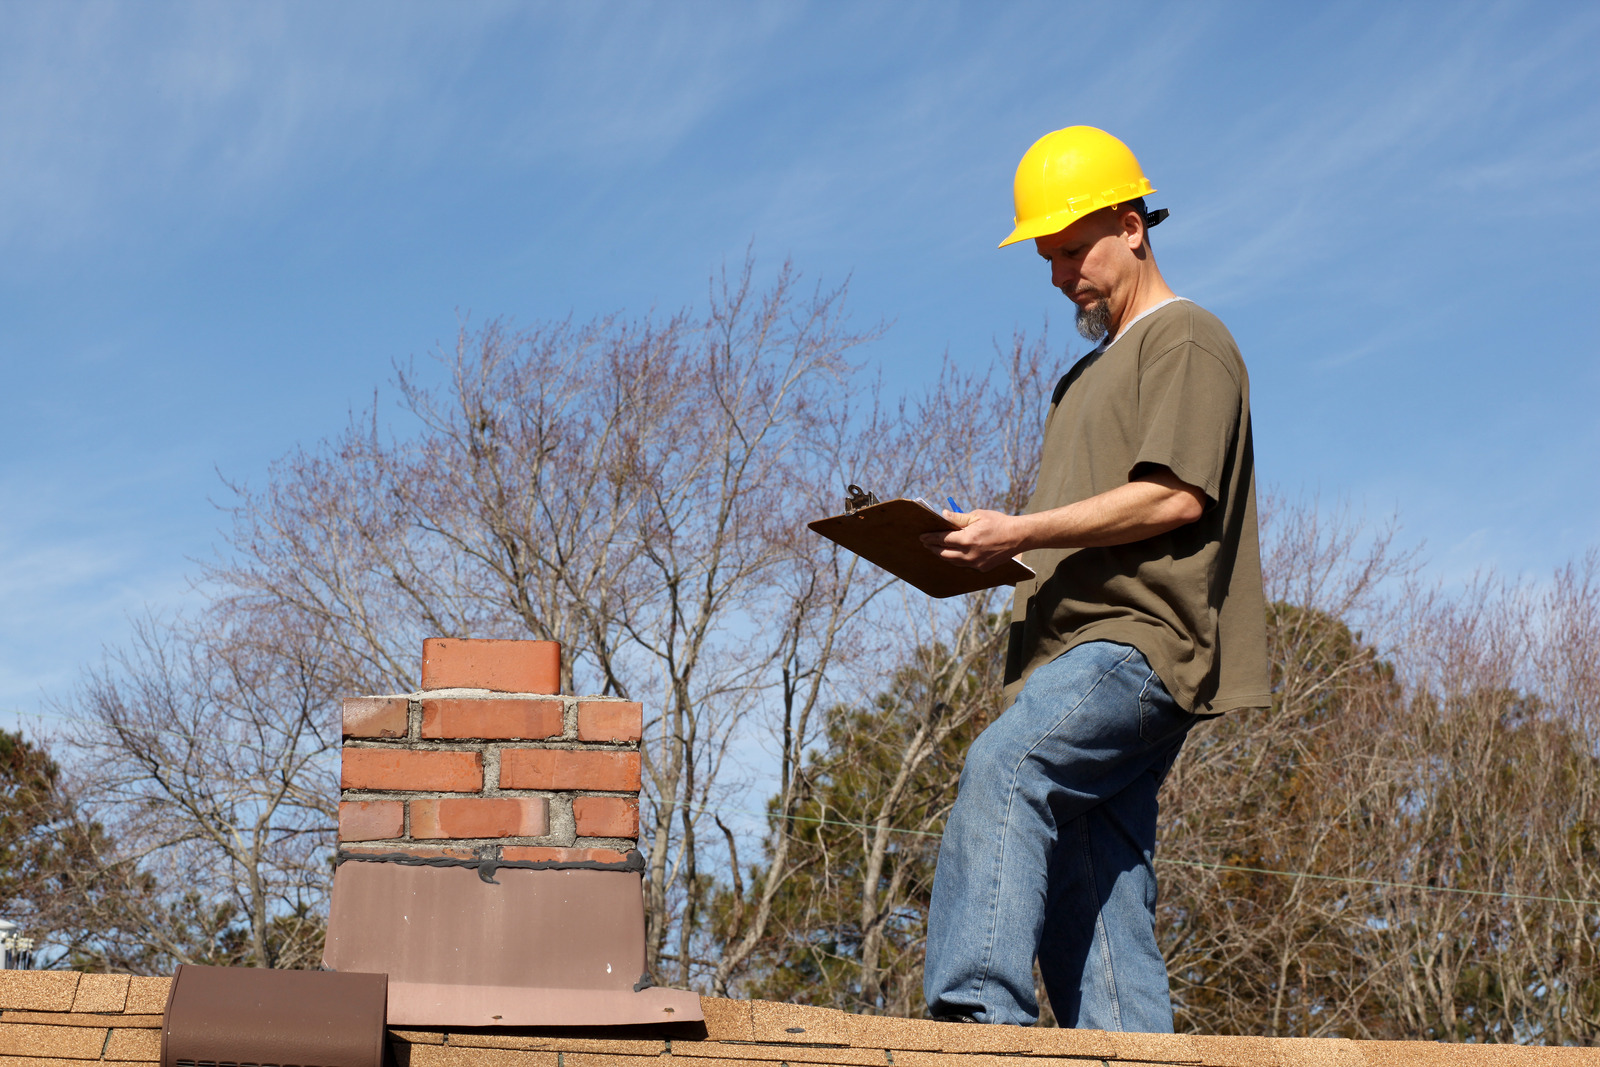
(1189, 408)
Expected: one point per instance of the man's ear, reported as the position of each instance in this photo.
(1133, 231)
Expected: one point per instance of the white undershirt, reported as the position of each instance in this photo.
(1106, 343)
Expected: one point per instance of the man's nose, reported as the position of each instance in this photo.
(1060, 274)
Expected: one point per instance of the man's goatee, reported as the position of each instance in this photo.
(1094, 321)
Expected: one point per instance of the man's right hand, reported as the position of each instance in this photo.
(986, 539)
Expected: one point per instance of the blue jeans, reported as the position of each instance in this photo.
(1048, 851)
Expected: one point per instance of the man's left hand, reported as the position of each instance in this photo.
(986, 539)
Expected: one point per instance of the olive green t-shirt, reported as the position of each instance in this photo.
(1170, 392)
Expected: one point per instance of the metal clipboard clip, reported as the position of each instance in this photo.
(856, 498)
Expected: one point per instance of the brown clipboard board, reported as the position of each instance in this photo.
(889, 535)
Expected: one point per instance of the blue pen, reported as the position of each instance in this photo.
(953, 507)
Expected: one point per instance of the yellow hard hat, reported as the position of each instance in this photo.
(1069, 173)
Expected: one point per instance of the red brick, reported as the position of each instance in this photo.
(610, 720)
(531, 720)
(392, 768)
(503, 666)
(542, 854)
(480, 817)
(550, 768)
(606, 816)
(371, 820)
(375, 716)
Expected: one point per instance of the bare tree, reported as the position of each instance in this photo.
(1500, 787)
(1398, 849)
(212, 760)
(1290, 788)
(633, 490)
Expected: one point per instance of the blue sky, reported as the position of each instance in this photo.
(220, 224)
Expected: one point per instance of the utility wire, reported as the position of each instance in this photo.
(1345, 879)
(1379, 882)
(1197, 863)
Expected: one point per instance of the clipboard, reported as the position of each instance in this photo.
(888, 534)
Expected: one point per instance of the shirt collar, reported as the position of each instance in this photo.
(1108, 342)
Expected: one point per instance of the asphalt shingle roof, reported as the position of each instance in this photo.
(60, 1019)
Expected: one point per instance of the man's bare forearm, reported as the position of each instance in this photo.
(1145, 507)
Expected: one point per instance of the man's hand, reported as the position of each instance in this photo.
(1154, 503)
(986, 539)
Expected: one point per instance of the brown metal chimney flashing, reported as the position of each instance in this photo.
(536, 948)
(272, 1018)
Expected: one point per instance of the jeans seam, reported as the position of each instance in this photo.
(1144, 691)
(1011, 795)
(1108, 972)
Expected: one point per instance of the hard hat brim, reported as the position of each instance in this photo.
(1056, 221)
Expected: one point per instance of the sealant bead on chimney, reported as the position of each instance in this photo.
(547, 854)
(501, 666)
(410, 849)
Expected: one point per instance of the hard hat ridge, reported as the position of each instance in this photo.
(1071, 172)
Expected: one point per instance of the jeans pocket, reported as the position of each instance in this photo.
(1160, 717)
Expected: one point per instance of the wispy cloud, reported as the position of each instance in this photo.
(110, 111)
(1434, 130)
(1318, 159)
(614, 84)
(55, 591)
(76, 560)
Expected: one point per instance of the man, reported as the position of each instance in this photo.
(1146, 615)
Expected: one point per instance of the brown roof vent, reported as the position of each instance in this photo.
(226, 1016)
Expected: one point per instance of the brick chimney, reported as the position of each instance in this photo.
(486, 858)
(466, 768)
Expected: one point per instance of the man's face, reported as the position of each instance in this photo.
(1088, 262)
